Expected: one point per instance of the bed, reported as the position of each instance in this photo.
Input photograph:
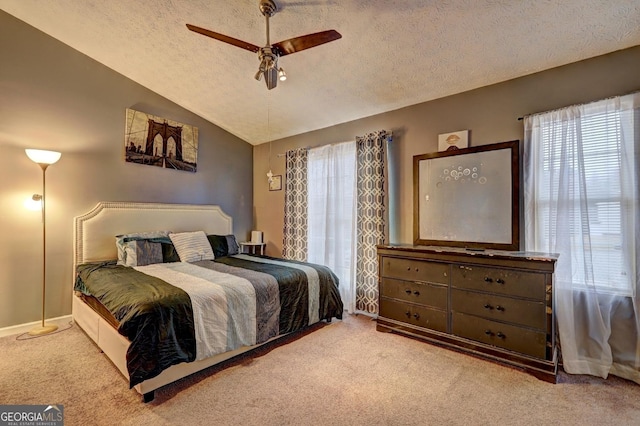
(161, 320)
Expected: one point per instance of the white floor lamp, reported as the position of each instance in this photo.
(44, 159)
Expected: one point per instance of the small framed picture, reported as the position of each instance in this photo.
(453, 141)
(276, 183)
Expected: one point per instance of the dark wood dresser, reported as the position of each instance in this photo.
(493, 304)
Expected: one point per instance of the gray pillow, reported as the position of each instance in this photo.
(143, 252)
(123, 240)
(232, 244)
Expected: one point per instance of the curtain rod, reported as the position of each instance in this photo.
(578, 104)
(282, 154)
(389, 139)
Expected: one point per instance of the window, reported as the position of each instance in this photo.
(581, 193)
(335, 213)
(331, 187)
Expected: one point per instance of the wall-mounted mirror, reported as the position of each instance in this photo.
(468, 197)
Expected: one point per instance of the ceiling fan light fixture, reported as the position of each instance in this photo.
(270, 53)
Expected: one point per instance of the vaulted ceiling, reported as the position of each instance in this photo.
(392, 53)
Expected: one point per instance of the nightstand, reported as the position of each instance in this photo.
(252, 247)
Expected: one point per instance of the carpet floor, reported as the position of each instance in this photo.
(342, 373)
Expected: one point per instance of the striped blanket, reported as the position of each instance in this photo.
(181, 312)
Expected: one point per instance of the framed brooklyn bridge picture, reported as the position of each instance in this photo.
(160, 142)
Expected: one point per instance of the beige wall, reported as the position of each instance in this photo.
(53, 97)
(490, 113)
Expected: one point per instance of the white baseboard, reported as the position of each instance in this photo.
(61, 322)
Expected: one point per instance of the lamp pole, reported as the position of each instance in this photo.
(43, 159)
(44, 245)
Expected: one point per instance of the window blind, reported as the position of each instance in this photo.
(591, 148)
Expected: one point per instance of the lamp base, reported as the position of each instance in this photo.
(48, 328)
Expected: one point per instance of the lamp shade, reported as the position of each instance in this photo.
(282, 75)
(41, 156)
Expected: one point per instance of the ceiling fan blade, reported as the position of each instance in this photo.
(308, 41)
(234, 41)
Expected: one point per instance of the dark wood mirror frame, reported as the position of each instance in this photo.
(502, 166)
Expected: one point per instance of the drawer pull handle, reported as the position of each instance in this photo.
(487, 279)
(488, 332)
(500, 281)
(417, 293)
(407, 291)
(500, 335)
(408, 268)
(408, 314)
(488, 306)
(500, 308)
(416, 315)
(417, 269)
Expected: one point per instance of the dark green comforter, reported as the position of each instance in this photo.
(158, 317)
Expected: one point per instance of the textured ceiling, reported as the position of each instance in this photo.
(392, 53)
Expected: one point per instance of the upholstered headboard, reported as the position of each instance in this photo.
(95, 231)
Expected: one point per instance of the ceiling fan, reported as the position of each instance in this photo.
(270, 53)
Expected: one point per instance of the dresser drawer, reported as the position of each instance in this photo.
(415, 270)
(499, 281)
(522, 340)
(412, 314)
(415, 292)
(522, 312)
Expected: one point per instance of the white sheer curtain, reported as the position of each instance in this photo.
(581, 201)
(331, 184)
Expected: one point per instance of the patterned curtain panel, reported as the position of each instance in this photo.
(294, 245)
(371, 216)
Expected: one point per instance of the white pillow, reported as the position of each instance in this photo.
(192, 246)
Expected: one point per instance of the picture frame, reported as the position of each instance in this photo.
(453, 141)
(276, 183)
(468, 198)
(160, 142)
